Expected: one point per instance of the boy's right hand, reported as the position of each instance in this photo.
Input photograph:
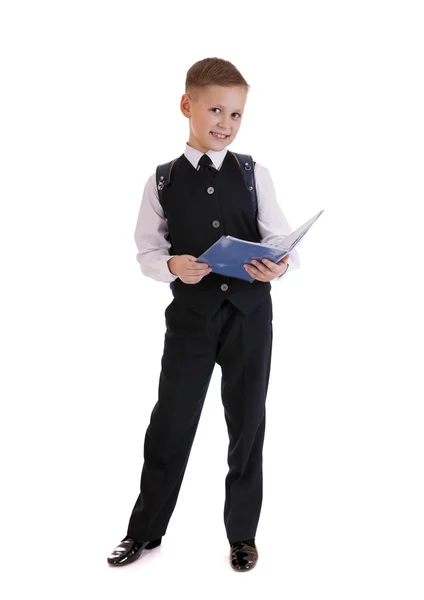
(185, 267)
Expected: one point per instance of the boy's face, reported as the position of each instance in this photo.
(218, 109)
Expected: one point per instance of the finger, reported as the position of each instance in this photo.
(269, 264)
(263, 268)
(253, 271)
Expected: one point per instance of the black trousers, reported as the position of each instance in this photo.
(242, 346)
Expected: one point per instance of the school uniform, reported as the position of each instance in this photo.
(220, 320)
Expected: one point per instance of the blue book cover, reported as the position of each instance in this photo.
(228, 255)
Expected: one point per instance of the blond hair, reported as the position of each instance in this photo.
(212, 71)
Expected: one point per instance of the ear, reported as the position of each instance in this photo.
(185, 105)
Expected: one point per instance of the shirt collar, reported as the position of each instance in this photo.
(194, 156)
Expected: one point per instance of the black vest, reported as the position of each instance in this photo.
(197, 218)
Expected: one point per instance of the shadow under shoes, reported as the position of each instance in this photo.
(243, 555)
(129, 550)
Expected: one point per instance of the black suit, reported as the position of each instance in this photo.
(219, 320)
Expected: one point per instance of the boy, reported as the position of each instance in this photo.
(212, 318)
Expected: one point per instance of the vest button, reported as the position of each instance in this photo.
(216, 223)
(224, 287)
(210, 190)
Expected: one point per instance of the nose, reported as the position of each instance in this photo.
(224, 122)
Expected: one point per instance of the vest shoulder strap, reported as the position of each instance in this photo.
(163, 177)
(247, 169)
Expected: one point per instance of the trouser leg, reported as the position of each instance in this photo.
(187, 366)
(244, 354)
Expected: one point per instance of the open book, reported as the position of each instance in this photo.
(228, 254)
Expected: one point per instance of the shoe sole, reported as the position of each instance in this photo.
(242, 570)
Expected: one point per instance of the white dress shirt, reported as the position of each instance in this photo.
(152, 226)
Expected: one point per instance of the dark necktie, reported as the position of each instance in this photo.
(205, 165)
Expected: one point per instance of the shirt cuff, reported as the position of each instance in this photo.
(174, 277)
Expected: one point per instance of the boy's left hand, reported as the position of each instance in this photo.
(266, 270)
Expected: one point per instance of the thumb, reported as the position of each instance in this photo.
(284, 259)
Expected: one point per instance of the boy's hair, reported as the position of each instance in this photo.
(212, 71)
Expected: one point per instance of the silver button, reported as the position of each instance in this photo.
(210, 190)
(224, 287)
(216, 223)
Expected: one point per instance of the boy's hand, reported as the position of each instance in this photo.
(185, 267)
(266, 270)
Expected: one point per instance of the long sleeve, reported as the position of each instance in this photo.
(273, 225)
(151, 236)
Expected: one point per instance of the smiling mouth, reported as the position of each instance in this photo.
(218, 136)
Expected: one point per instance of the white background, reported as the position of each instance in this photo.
(89, 107)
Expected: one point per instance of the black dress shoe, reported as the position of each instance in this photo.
(243, 555)
(129, 550)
